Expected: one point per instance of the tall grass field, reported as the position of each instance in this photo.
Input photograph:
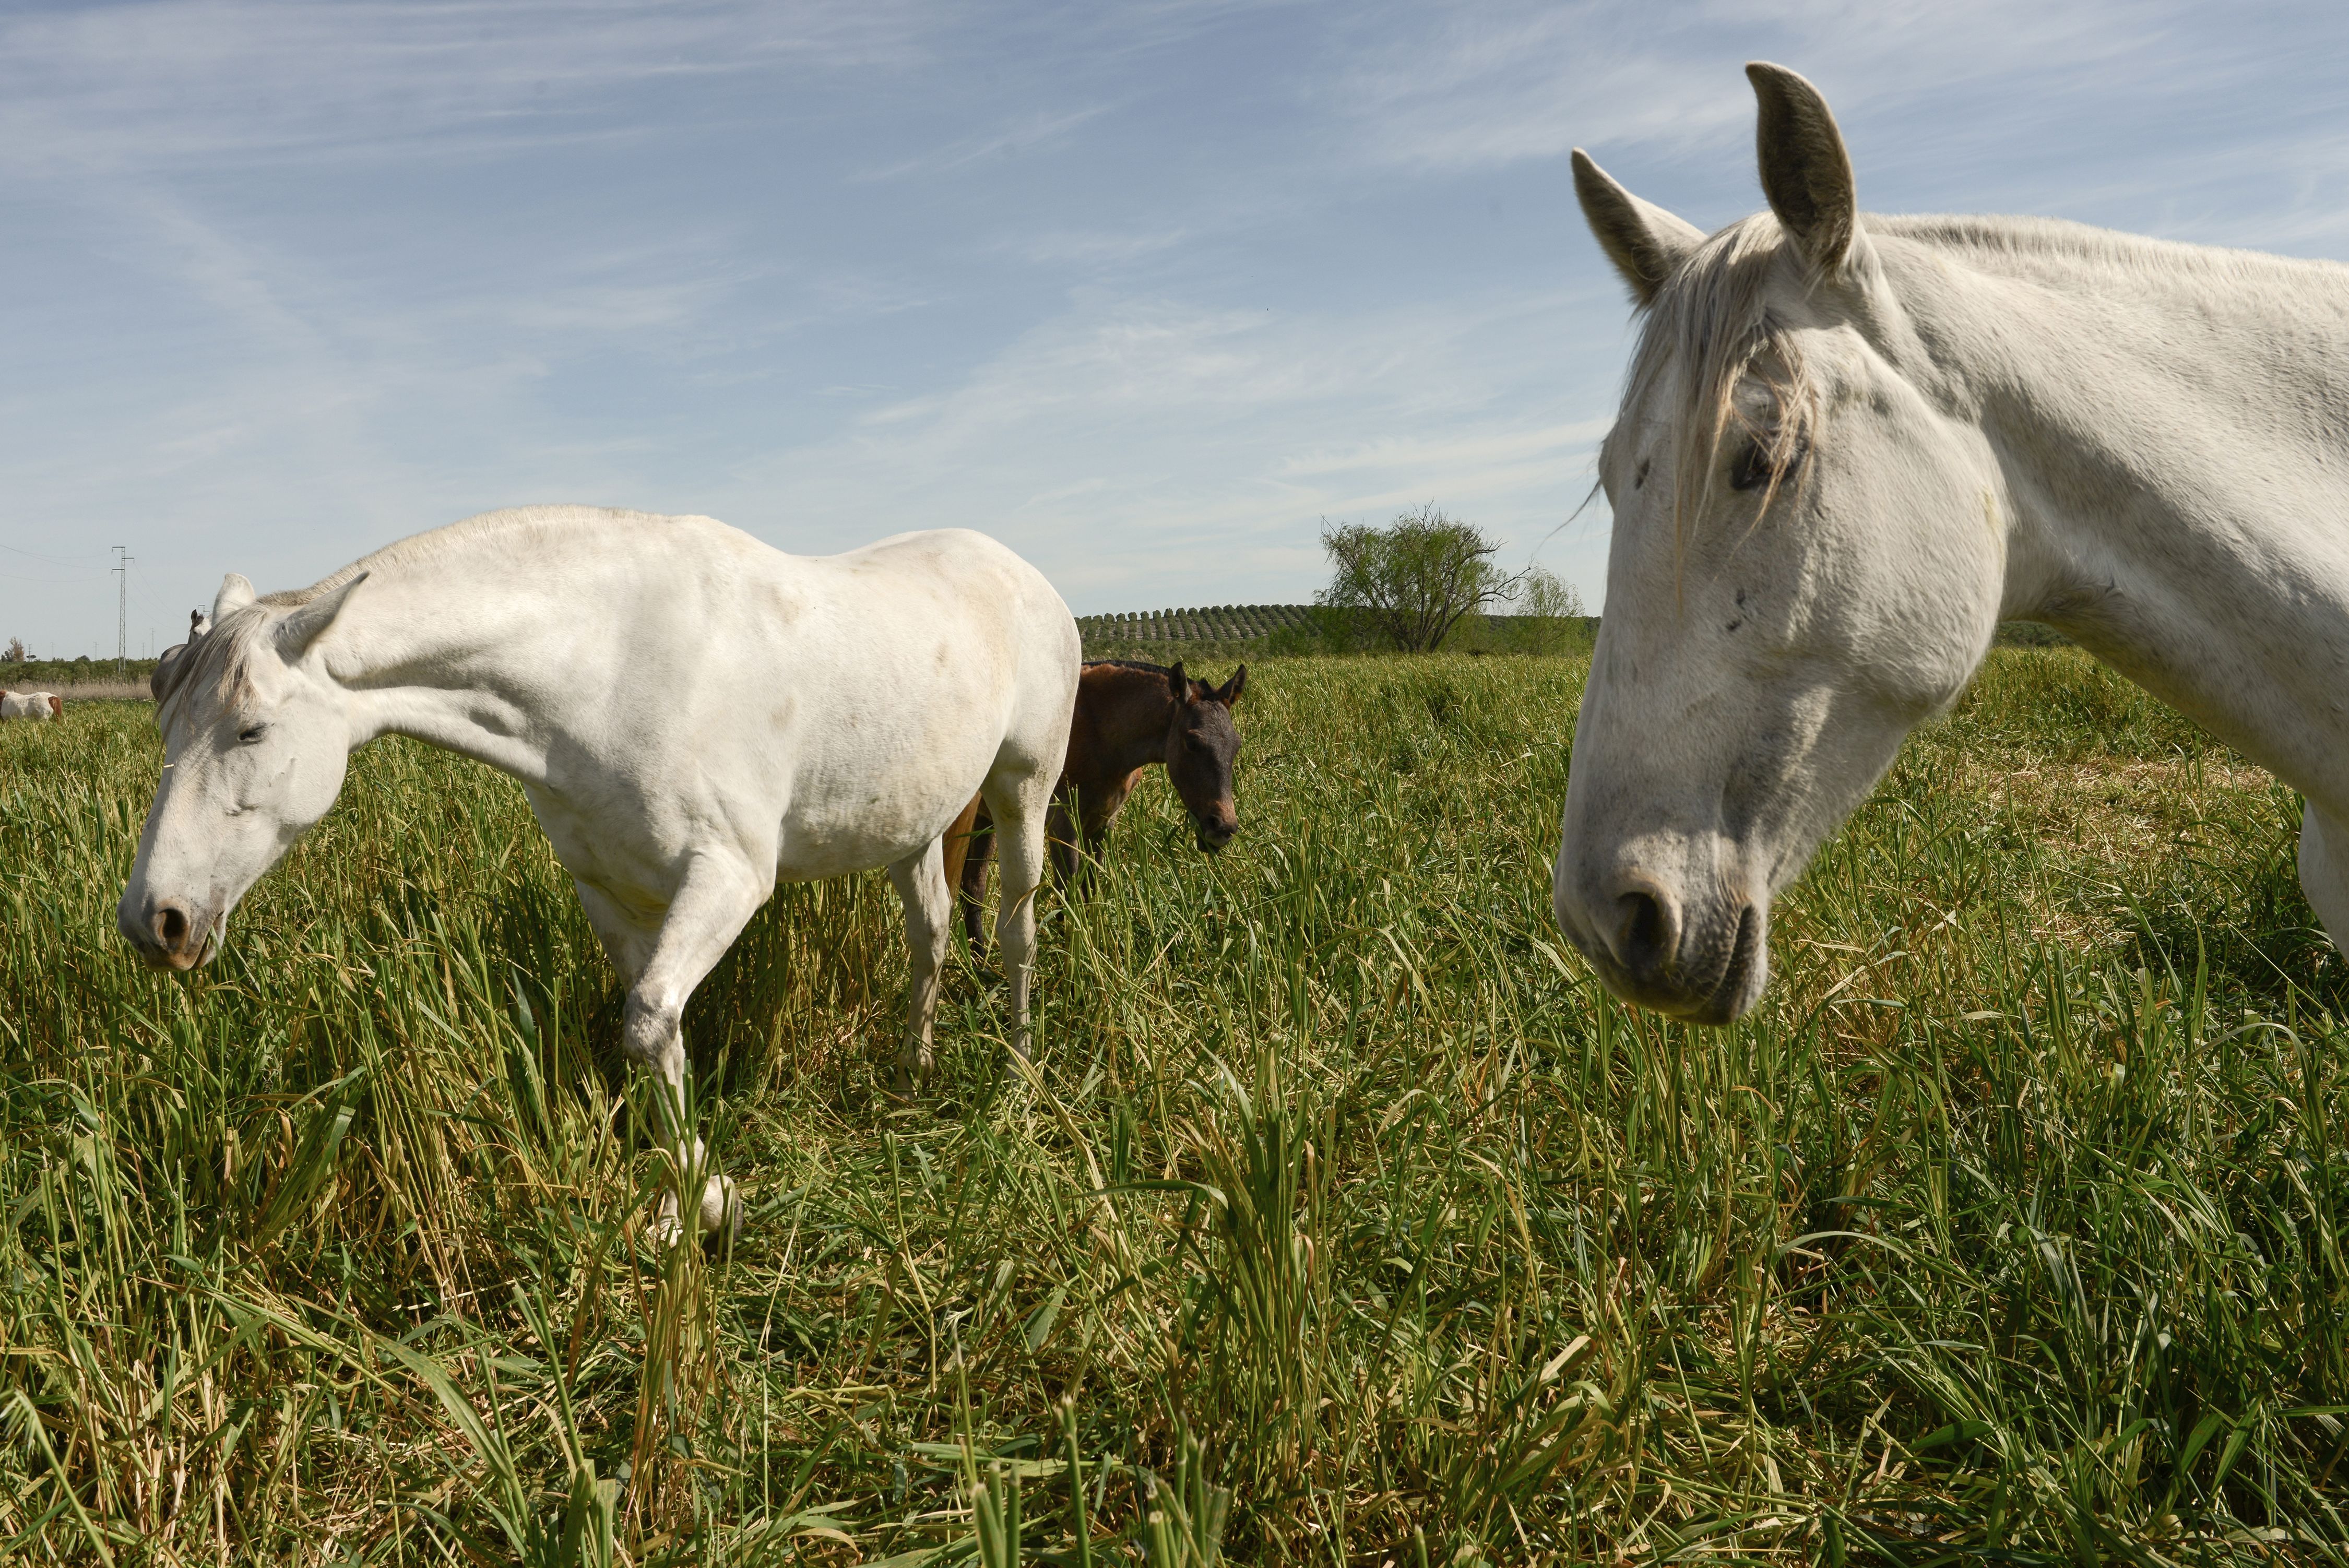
(1343, 1220)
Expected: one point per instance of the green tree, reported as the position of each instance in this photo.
(1549, 613)
(1405, 586)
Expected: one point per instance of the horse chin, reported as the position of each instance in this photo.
(1719, 993)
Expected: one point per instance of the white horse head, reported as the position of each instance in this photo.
(255, 742)
(1808, 561)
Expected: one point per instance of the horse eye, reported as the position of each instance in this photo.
(1753, 468)
(255, 732)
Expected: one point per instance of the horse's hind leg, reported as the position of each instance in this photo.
(2324, 872)
(971, 885)
(921, 882)
(1020, 806)
(706, 913)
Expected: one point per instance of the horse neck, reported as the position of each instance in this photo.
(1129, 720)
(459, 658)
(2173, 428)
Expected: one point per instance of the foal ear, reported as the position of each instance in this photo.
(1643, 241)
(235, 593)
(1178, 682)
(1231, 689)
(1805, 172)
(301, 624)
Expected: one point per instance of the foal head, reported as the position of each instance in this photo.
(255, 741)
(1202, 744)
(1808, 561)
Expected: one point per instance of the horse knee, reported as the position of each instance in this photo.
(650, 1033)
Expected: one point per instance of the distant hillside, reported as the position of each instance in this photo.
(78, 677)
(1211, 624)
(1240, 631)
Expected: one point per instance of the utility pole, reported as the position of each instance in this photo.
(121, 611)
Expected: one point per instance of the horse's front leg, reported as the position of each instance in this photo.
(1096, 810)
(2324, 872)
(1019, 809)
(921, 882)
(720, 895)
(1062, 833)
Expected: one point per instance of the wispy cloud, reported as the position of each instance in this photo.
(1460, 86)
(1184, 445)
(1030, 134)
(1092, 248)
(175, 84)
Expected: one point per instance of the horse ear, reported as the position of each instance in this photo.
(1643, 241)
(1178, 682)
(1805, 172)
(1232, 688)
(235, 593)
(302, 625)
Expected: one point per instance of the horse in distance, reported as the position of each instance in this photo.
(747, 716)
(32, 705)
(199, 622)
(1130, 717)
(1848, 447)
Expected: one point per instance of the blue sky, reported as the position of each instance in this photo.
(1146, 290)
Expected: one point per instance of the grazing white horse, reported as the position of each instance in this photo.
(691, 713)
(31, 705)
(1848, 447)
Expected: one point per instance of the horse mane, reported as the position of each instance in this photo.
(221, 656)
(1144, 665)
(513, 524)
(219, 659)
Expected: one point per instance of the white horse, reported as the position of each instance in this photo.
(1848, 447)
(38, 705)
(691, 713)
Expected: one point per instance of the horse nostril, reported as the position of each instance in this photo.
(1646, 944)
(170, 925)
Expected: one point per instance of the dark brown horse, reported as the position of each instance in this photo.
(1129, 717)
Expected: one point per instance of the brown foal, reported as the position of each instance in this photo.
(1129, 717)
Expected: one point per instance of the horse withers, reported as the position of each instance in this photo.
(1130, 717)
(742, 716)
(1849, 447)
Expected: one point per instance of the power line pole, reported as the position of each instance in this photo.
(121, 611)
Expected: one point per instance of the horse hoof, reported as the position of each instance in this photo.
(721, 1207)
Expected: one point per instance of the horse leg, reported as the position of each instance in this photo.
(921, 882)
(2324, 872)
(717, 898)
(971, 890)
(1060, 835)
(1095, 811)
(1019, 806)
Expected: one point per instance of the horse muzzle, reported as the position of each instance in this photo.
(169, 934)
(1699, 959)
(1214, 832)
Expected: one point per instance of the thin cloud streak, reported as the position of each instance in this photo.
(180, 83)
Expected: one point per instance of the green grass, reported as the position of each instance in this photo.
(1345, 1222)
